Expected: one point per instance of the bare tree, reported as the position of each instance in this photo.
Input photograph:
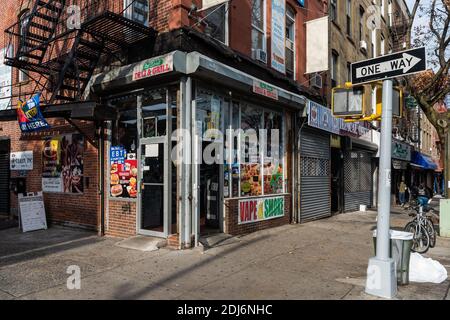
(432, 86)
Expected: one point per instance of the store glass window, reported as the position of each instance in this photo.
(209, 115)
(154, 114)
(123, 160)
(251, 123)
(273, 154)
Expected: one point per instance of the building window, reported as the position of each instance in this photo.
(217, 22)
(290, 42)
(390, 17)
(334, 68)
(333, 10)
(361, 23)
(349, 17)
(382, 45)
(374, 43)
(24, 20)
(258, 26)
(349, 72)
(137, 10)
(382, 7)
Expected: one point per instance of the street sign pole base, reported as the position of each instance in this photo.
(381, 278)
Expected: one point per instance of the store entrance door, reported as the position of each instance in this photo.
(154, 189)
(210, 198)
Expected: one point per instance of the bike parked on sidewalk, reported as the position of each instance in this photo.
(421, 226)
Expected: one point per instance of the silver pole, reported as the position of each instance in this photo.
(381, 275)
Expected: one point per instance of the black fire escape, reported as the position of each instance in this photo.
(61, 43)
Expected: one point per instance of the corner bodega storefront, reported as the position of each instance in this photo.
(187, 159)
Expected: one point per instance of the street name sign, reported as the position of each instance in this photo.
(389, 66)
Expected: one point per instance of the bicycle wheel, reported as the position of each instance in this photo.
(431, 232)
(421, 239)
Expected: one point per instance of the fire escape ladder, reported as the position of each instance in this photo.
(39, 30)
(76, 68)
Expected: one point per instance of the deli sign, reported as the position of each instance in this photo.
(153, 67)
(254, 210)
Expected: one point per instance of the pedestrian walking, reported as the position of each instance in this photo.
(402, 192)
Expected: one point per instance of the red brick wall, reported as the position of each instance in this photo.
(231, 218)
(121, 219)
(82, 210)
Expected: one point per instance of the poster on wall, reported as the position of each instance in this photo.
(278, 35)
(63, 164)
(124, 172)
(254, 210)
(5, 82)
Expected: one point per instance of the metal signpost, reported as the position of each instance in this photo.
(381, 273)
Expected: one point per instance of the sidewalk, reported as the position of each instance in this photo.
(325, 259)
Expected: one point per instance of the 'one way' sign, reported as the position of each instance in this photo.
(389, 66)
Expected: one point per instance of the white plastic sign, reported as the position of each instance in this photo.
(32, 212)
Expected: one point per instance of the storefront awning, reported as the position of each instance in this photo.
(196, 65)
(423, 161)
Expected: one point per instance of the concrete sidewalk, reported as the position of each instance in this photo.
(325, 259)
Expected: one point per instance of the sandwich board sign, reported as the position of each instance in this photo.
(389, 66)
(32, 212)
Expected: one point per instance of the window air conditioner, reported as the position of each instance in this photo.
(261, 55)
(316, 81)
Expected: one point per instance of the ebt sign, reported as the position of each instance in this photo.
(254, 210)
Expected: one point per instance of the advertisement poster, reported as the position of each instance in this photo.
(254, 210)
(63, 164)
(30, 115)
(123, 173)
(278, 35)
(5, 82)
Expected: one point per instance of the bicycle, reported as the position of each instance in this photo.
(422, 227)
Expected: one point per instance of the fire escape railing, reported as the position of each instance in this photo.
(62, 38)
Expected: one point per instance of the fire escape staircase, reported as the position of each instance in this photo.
(62, 60)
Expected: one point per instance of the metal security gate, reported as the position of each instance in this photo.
(4, 177)
(357, 180)
(315, 201)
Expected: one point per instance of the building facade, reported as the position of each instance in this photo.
(123, 84)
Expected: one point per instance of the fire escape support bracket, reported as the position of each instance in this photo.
(93, 142)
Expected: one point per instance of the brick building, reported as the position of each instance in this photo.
(118, 78)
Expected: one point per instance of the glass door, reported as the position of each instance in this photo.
(153, 188)
(155, 165)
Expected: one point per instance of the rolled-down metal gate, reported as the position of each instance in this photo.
(315, 202)
(357, 180)
(4, 177)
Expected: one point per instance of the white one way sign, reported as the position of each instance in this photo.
(389, 66)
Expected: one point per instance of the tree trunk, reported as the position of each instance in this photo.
(446, 153)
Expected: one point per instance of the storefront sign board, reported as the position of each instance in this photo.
(401, 151)
(265, 89)
(21, 160)
(32, 212)
(153, 67)
(255, 210)
(278, 35)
